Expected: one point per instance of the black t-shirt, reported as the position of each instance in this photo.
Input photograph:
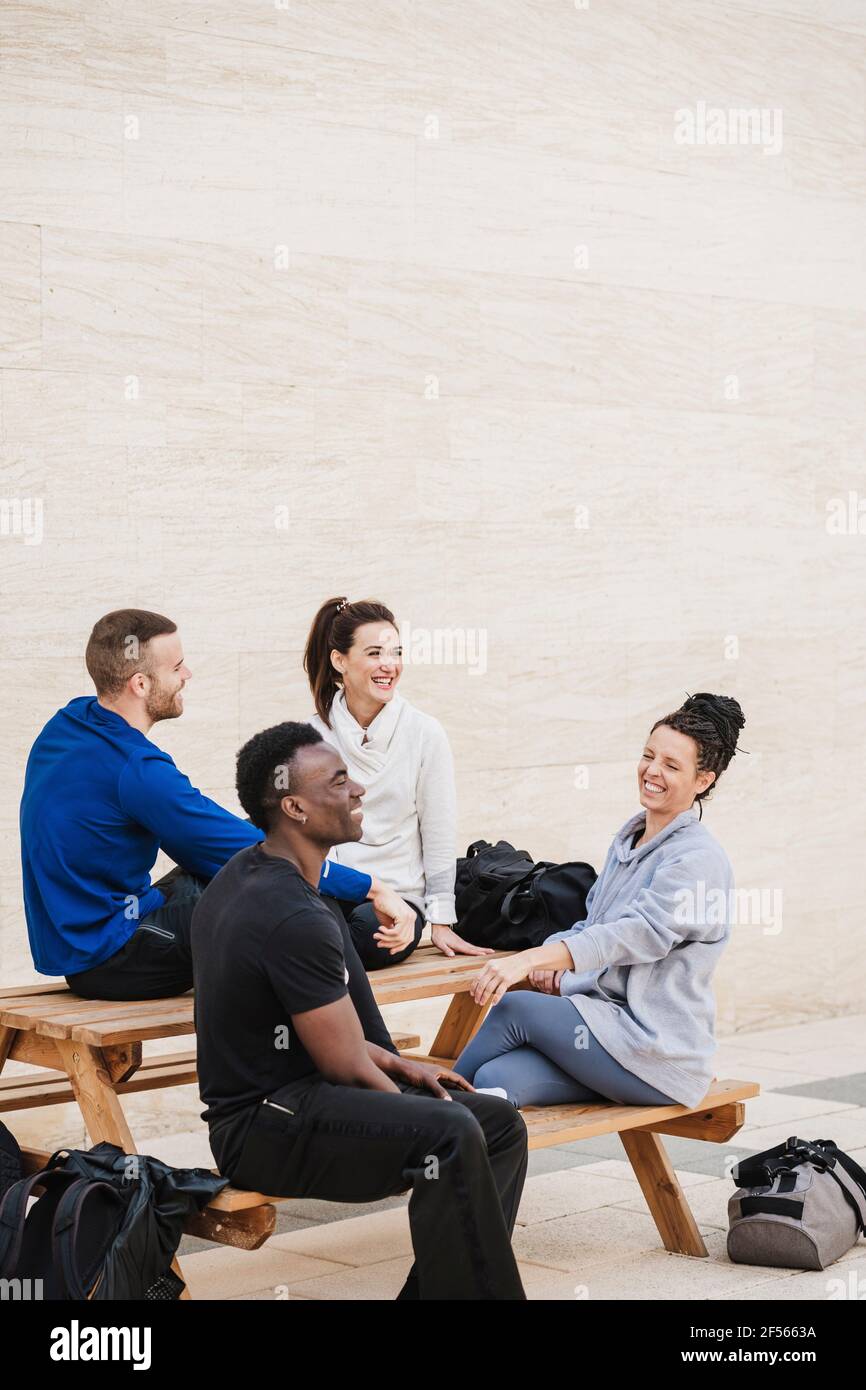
(264, 947)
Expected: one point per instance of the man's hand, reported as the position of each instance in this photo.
(450, 944)
(546, 981)
(397, 918)
(430, 1077)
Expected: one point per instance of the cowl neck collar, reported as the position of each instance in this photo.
(370, 755)
(622, 840)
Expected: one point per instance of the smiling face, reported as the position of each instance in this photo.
(667, 774)
(166, 675)
(373, 665)
(326, 795)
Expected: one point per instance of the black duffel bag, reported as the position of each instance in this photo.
(506, 900)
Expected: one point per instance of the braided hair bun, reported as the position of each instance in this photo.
(714, 722)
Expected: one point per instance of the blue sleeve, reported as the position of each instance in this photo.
(198, 833)
(194, 831)
(339, 881)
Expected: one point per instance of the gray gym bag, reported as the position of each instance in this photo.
(798, 1206)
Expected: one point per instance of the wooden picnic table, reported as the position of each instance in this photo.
(91, 1051)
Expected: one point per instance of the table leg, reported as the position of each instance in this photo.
(462, 1020)
(7, 1037)
(99, 1103)
(661, 1188)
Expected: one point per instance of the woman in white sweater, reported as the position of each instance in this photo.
(401, 756)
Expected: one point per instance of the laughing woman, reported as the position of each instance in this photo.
(401, 756)
(621, 1006)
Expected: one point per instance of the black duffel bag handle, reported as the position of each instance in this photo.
(760, 1170)
(519, 900)
(475, 848)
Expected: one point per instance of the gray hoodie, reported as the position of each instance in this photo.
(657, 921)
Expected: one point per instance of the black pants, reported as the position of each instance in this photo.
(363, 923)
(464, 1160)
(156, 961)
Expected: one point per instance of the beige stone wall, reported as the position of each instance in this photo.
(425, 302)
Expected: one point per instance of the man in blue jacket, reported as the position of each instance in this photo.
(100, 800)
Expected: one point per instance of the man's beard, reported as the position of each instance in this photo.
(162, 704)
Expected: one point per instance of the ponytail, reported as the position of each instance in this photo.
(333, 629)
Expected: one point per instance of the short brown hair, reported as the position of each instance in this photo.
(117, 647)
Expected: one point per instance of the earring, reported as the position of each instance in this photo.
(303, 820)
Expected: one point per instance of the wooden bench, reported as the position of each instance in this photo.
(92, 1052)
(246, 1219)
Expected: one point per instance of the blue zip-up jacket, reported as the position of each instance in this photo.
(657, 919)
(100, 800)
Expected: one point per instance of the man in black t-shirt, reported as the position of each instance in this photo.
(306, 1096)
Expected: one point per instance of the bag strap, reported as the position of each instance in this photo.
(517, 913)
(64, 1236)
(759, 1170)
(60, 1242)
(824, 1154)
(13, 1213)
(851, 1200)
(852, 1168)
(772, 1206)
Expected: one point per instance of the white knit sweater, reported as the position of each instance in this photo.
(410, 806)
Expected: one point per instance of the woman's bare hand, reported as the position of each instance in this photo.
(546, 981)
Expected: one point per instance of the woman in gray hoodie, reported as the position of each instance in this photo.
(621, 1006)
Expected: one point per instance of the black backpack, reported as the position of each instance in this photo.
(105, 1227)
(10, 1159)
(507, 900)
(62, 1241)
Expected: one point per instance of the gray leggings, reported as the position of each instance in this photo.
(539, 1050)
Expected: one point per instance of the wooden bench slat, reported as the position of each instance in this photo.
(437, 964)
(561, 1124)
(123, 1030)
(20, 991)
(30, 1090)
(63, 1024)
(246, 1229)
(131, 1029)
(57, 1018)
(396, 991)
